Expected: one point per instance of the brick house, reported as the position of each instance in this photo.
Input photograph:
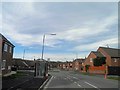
(65, 65)
(111, 54)
(91, 56)
(112, 60)
(21, 64)
(7, 54)
(69, 65)
(77, 64)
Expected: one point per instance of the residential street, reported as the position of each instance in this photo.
(69, 79)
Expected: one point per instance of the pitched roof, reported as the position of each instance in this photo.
(80, 60)
(20, 62)
(113, 52)
(98, 54)
(6, 40)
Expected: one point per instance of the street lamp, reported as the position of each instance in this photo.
(37, 66)
(24, 53)
(44, 44)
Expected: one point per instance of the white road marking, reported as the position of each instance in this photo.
(48, 83)
(68, 77)
(75, 82)
(75, 77)
(91, 85)
(79, 85)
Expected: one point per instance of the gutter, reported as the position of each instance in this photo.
(45, 82)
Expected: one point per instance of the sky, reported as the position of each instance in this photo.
(80, 27)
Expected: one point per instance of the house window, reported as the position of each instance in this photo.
(5, 47)
(10, 49)
(3, 64)
(115, 60)
(91, 60)
(9, 67)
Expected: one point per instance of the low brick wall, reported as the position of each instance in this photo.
(97, 69)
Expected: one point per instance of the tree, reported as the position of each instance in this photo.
(99, 61)
(87, 67)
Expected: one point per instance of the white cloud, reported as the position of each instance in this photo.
(88, 30)
(21, 19)
(95, 45)
(92, 28)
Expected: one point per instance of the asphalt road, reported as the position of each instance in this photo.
(69, 80)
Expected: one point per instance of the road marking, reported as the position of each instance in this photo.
(48, 83)
(79, 85)
(91, 85)
(75, 77)
(68, 77)
(75, 82)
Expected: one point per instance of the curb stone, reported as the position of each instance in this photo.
(42, 86)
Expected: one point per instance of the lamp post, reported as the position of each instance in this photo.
(24, 53)
(38, 68)
(42, 57)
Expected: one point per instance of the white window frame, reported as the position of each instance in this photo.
(9, 67)
(115, 59)
(5, 47)
(91, 59)
(3, 64)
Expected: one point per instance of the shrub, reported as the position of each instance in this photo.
(99, 61)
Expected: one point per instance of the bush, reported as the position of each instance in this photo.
(99, 61)
(87, 67)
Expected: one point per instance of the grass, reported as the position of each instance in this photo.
(84, 73)
(114, 78)
(17, 75)
(89, 74)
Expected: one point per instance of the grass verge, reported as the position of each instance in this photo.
(13, 76)
(114, 78)
(89, 74)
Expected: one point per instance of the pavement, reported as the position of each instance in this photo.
(63, 80)
(27, 82)
(12, 72)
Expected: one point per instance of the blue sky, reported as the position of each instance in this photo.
(80, 27)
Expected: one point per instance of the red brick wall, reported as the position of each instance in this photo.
(115, 61)
(87, 60)
(108, 58)
(97, 69)
(76, 65)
